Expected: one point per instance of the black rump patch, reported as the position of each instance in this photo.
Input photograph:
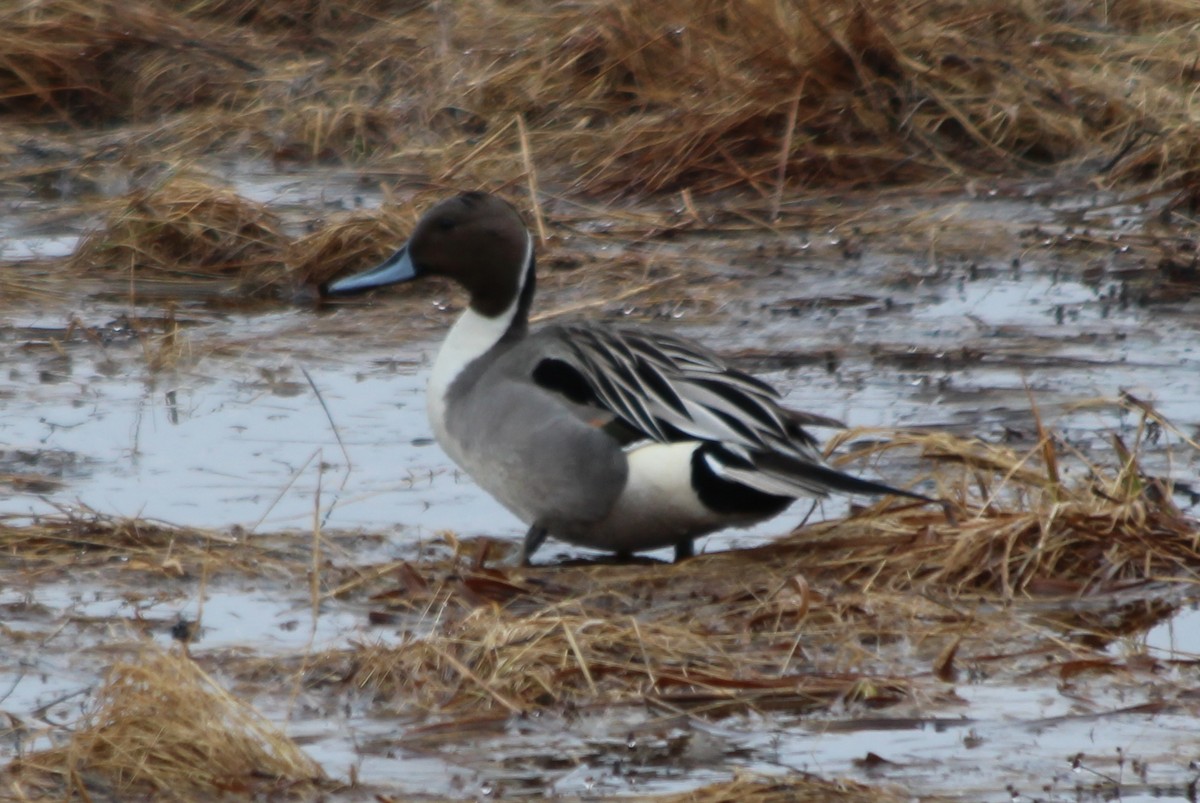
(727, 496)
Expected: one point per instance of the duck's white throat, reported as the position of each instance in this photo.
(472, 336)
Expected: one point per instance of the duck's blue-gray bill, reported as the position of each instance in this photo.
(396, 268)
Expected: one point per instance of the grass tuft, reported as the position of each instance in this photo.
(162, 726)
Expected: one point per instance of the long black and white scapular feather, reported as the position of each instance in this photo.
(669, 390)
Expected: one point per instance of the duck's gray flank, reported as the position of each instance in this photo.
(618, 439)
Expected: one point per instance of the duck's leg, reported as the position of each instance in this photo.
(684, 549)
(533, 539)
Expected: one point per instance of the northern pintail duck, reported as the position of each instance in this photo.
(612, 438)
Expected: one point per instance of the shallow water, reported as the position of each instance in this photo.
(244, 440)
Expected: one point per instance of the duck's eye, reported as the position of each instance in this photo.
(445, 223)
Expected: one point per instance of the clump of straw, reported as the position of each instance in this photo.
(161, 725)
(185, 231)
(107, 61)
(1022, 527)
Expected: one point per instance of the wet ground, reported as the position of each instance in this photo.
(958, 311)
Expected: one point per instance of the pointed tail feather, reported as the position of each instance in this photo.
(807, 475)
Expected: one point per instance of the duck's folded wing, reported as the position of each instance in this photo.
(646, 386)
(668, 389)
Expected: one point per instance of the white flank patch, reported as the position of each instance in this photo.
(469, 339)
(660, 482)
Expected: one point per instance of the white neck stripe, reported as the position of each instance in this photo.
(472, 336)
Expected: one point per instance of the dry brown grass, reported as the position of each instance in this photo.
(673, 640)
(763, 98)
(788, 627)
(1021, 527)
(664, 95)
(833, 614)
(81, 540)
(313, 20)
(711, 95)
(162, 726)
(88, 63)
(185, 230)
(636, 95)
